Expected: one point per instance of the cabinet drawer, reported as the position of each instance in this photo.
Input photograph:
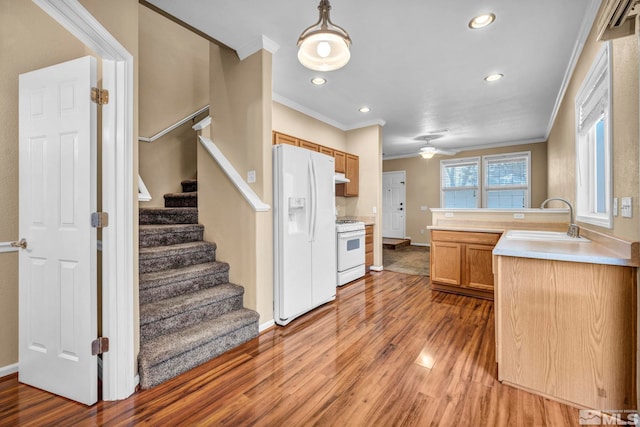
(465, 237)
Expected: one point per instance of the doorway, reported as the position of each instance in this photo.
(394, 204)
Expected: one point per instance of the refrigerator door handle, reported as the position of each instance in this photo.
(314, 200)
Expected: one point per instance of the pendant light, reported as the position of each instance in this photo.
(324, 46)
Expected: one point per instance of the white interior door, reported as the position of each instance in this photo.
(57, 270)
(393, 204)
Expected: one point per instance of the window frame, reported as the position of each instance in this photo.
(597, 82)
(485, 177)
(453, 162)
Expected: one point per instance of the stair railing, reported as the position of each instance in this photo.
(247, 192)
(174, 126)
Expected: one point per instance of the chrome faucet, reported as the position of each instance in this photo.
(574, 230)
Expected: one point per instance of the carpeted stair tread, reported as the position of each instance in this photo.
(169, 283)
(160, 258)
(169, 234)
(167, 356)
(189, 185)
(168, 216)
(188, 309)
(177, 200)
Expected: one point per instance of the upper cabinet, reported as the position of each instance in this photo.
(352, 172)
(345, 163)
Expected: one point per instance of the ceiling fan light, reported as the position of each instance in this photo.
(324, 46)
(427, 155)
(428, 152)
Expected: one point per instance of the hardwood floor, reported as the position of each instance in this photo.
(388, 352)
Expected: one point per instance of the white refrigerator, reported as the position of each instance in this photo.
(304, 233)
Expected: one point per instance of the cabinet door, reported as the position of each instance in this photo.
(478, 267)
(325, 150)
(445, 262)
(368, 242)
(309, 145)
(353, 173)
(280, 138)
(341, 161)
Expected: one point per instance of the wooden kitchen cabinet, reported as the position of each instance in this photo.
(341, 161)
(325, 150)
(352, 172)
(368, 245)
(461, 262)
(567, 330)
(309, 145)
(280, 138)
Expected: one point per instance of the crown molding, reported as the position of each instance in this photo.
(258, 43)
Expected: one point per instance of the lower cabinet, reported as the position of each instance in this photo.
(368, 245)
(461, 262)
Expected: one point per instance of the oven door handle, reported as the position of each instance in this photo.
(350, 234)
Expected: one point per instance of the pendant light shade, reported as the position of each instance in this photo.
(324, 46)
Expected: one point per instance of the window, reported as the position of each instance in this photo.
(459, 183)
(506, 181)
(593, 145)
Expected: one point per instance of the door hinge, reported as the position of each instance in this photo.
(99, 346)
(99, 96)
(99, 219)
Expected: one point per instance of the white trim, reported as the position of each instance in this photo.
(376, 267)
(6, 247)
(8, 370)
(426, 245)
(258, 43)
(307, 111)
(266, 325)
(174, 126)
(585, 29)
(143, 192)
(247, 192)
(117, 192)
(202, 124)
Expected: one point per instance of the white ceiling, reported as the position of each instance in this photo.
(416, 63)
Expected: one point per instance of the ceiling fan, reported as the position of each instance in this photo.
(428, 151)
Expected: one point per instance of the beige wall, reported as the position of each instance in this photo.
(561, 144)
(174, 82)
(30, 39)
(423, 183)
(241, 128)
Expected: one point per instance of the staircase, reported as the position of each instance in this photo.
(189, 312)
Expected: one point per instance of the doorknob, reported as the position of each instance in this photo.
(20, 244)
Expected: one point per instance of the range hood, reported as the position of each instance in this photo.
(339, 178)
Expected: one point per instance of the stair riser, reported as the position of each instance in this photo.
(179, 286)
(188, 318)
(149, 239)
(161, 263)
(189, 186)
(154, 375)
(180, 202)
(187, 216)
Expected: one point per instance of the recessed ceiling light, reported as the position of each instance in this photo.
(482, 21)
(318, 81)
(494, 77)
(364, 109)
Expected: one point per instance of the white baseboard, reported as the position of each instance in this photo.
(266, 325)
(428, 245)
(8, 370)
(376, 268)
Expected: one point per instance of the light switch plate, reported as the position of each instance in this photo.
(625, 208)
(615, 206)
(251, 177)
(424, 208)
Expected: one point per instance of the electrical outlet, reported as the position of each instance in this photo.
(424, 208)
(448, 214)
(626, 209)
(422, 231)
(615, 206)
(251, 177)
(518, 216)
(374, 210)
